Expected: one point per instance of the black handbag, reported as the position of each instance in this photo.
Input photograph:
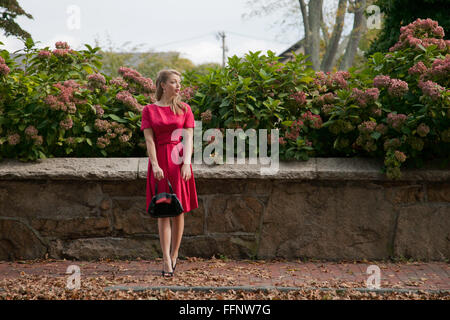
(164, 205)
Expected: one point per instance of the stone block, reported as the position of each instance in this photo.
(194, 220)
(71, 228)
(71, 169)
(234, 246)
(347, 222)
(405, 194)
(228, 213)
(18, 241)
(130, 217)
(423, 232)
(228, 186)
(110, 247)
(439, 192)
(30, 199)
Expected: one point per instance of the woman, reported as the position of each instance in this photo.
(159, 121)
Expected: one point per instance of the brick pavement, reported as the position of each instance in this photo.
(244, 273)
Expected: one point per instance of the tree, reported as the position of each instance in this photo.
(359, 26)
(9, 11)
(316, 34)
(398, 13)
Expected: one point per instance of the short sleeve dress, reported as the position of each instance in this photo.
(163, 122)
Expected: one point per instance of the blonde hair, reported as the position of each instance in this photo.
(176, 105)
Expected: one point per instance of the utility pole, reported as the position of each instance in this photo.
(224, 48)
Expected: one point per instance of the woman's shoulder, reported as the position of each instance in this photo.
(186, 105)
(148, 106)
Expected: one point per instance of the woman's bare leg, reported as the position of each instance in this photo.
(164, 238)
(177, 234)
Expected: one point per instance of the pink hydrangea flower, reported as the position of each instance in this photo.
(187, 93)
(62, 45)
(127, 99)
(327, 108)
(66, 124)
(382, 81)
(397, 88)
(99, 111)
(396, 120)
(421, 33)
(441, 67)
(38, 140)
(103, 142)
(381, 128)
(44, 54)
(102, 125)
(431, 89)
(423, 129)
(299, 97)
(418, 69)
(4, 69)
(97, 78)
(367, 127)
(31, 131)
(14, 139)
(314, 119)
(119, 82)
(400, 156)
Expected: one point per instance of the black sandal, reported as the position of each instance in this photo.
(174, 266)
(167, 274)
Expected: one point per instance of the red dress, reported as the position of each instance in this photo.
(163, 122)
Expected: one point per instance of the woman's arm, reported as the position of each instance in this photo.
(189, 146)
(151, 148)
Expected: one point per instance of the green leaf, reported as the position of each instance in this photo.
(421, 47)
(287, 123)
(240, 108)
(89, 142)
(376, 135)
(263, 74)
(87, 129)
(116, 118)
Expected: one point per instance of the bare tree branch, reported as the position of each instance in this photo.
(324, 28)
(315, 11)
(332, 48)
(359, 26)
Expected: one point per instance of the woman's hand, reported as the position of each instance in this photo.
(158, 172)
(186, 171)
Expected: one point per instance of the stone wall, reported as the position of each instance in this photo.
(325, 208)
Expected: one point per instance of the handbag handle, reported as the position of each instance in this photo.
(156, 186)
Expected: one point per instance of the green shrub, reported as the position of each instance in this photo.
(394, 108)
(57, 104)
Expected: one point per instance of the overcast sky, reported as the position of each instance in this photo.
(189, 27)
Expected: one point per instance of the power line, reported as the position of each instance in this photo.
(256, 38)
(211, 33)
(180, 41)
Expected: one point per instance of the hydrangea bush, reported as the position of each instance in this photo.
(396, 108)
(58, 104)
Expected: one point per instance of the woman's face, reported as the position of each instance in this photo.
(172, 85)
